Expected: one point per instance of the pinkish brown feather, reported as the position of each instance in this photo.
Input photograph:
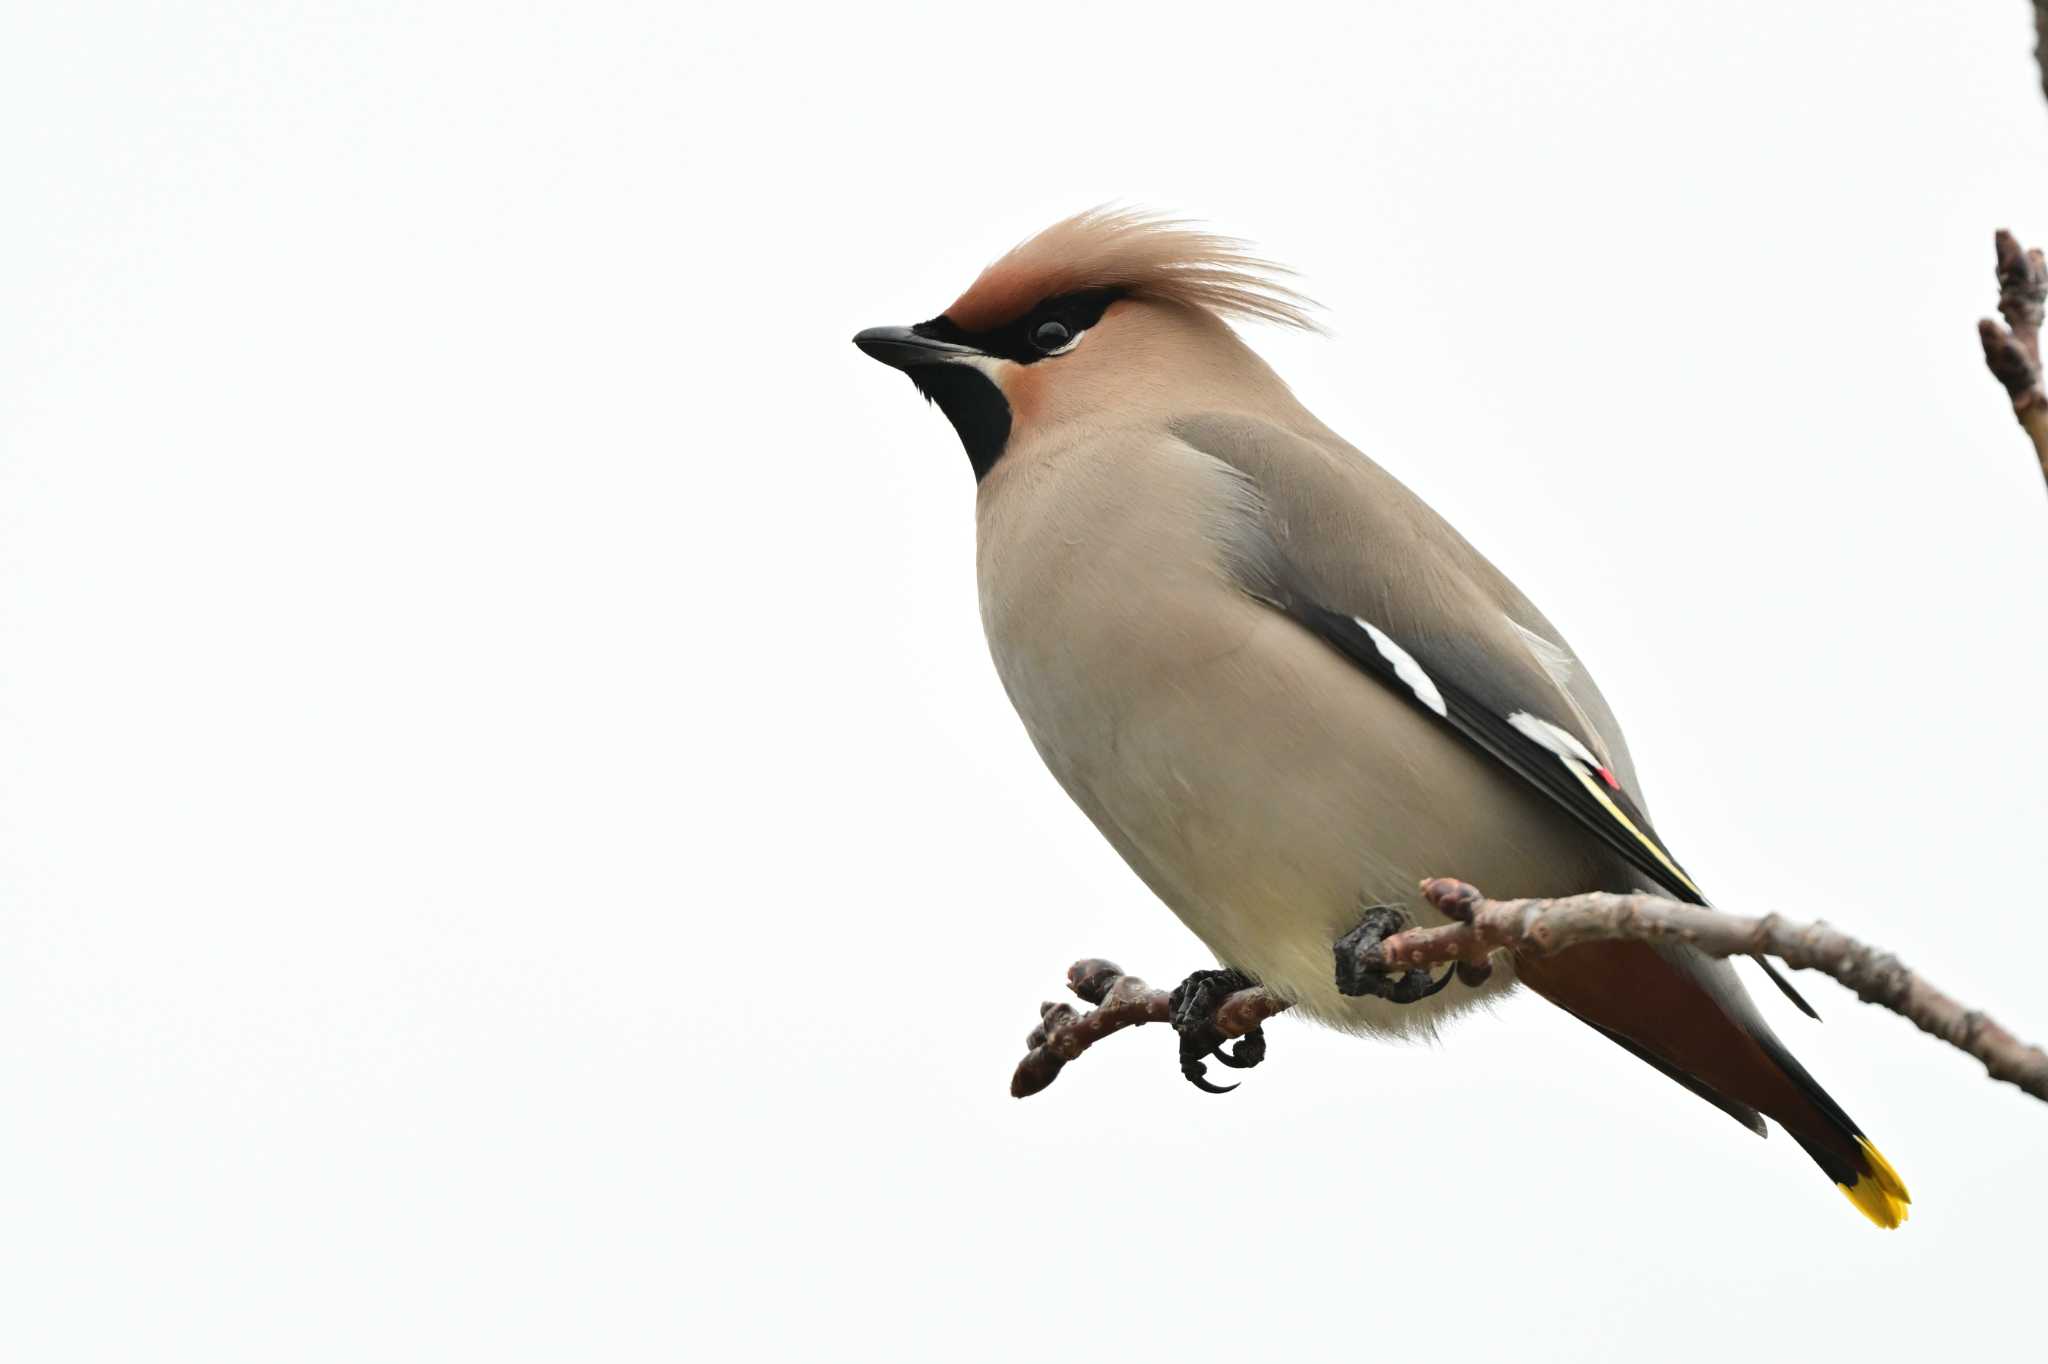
(1144, 253)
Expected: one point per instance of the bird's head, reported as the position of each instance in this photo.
(1099, 318)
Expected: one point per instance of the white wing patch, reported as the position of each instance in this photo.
(1406, 668)
(1558, 664)
(1556, 738)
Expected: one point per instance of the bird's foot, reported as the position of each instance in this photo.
(1360, 968)
(1194, 1002)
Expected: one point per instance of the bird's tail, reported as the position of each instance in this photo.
(1828, 1134)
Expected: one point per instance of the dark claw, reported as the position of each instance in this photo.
(1193, 1008)
(1248, 1052)
(1197, 1074)
(1414, 985)
(1358, 961)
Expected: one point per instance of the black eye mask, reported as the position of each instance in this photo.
(1046, 330)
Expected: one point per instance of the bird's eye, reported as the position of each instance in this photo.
(1050, 336)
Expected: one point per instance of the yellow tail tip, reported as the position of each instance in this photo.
(1879, 1194)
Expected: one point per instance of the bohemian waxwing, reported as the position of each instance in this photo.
(1283, 688)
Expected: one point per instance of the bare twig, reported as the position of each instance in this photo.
(1537, 928)
(1121, 1002)
(2013, 352)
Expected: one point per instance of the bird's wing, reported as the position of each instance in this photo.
(1545, 753)
(1369, 567)
(1359, 560)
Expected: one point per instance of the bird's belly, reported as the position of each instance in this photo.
(1269, 791)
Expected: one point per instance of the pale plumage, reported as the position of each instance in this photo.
(1284, 688)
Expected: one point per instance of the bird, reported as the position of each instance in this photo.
(1285, 689)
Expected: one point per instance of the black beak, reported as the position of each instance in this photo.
(903, 348)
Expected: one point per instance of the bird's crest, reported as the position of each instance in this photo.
(1144, 254)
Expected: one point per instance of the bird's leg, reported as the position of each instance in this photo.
(1359, 963)
(1193, 1004)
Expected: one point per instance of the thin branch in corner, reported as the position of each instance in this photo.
(1526, 928)
(2041, 41)
(2013, 352)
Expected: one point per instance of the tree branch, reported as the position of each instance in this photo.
(1121, 1002)
(2013, 352)
(1538, 928)
(2041, 41)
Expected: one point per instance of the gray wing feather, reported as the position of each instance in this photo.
(1359, 542)
(1362, 543)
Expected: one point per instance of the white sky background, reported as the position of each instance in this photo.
(512, 847)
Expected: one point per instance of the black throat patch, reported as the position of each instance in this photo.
(975, 406)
